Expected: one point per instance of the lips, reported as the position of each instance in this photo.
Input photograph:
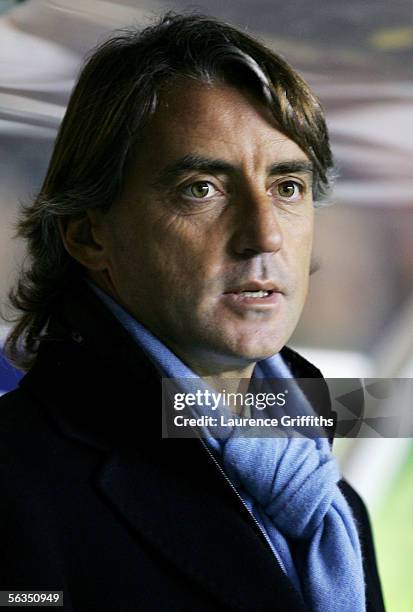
(252, 296)
(256, 288)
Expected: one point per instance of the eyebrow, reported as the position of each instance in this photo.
(292, 166)
(209, 165)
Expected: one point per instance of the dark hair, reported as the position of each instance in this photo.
(116, 94)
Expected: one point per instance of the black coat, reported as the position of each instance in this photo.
(95, 503)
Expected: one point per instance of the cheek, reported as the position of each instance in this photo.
(303, 238)
(299, 253)
(190, 248)
(299, 240)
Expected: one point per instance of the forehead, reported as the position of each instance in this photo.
(216, 120)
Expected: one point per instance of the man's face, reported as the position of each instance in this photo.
(209, 245)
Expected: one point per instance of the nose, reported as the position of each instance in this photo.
(256, 227)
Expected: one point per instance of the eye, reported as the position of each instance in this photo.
(289, 190)
(200, 190)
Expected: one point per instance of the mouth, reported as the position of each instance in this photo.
(255, 289)
(254, 294)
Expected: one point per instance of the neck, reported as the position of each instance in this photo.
(232, 381)
(220, 376)
(214, 366)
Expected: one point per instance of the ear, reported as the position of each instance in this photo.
(83, 239)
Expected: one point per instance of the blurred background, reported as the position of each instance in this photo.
(358, 57)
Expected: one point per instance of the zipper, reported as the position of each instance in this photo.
(245, 507)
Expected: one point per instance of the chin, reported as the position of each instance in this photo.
(260, 340)
(238, 344)
(256, 351)
(258, 354)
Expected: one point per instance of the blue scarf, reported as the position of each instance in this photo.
(294, 480)
(289, 484)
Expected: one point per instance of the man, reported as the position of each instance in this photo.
(172, 237)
